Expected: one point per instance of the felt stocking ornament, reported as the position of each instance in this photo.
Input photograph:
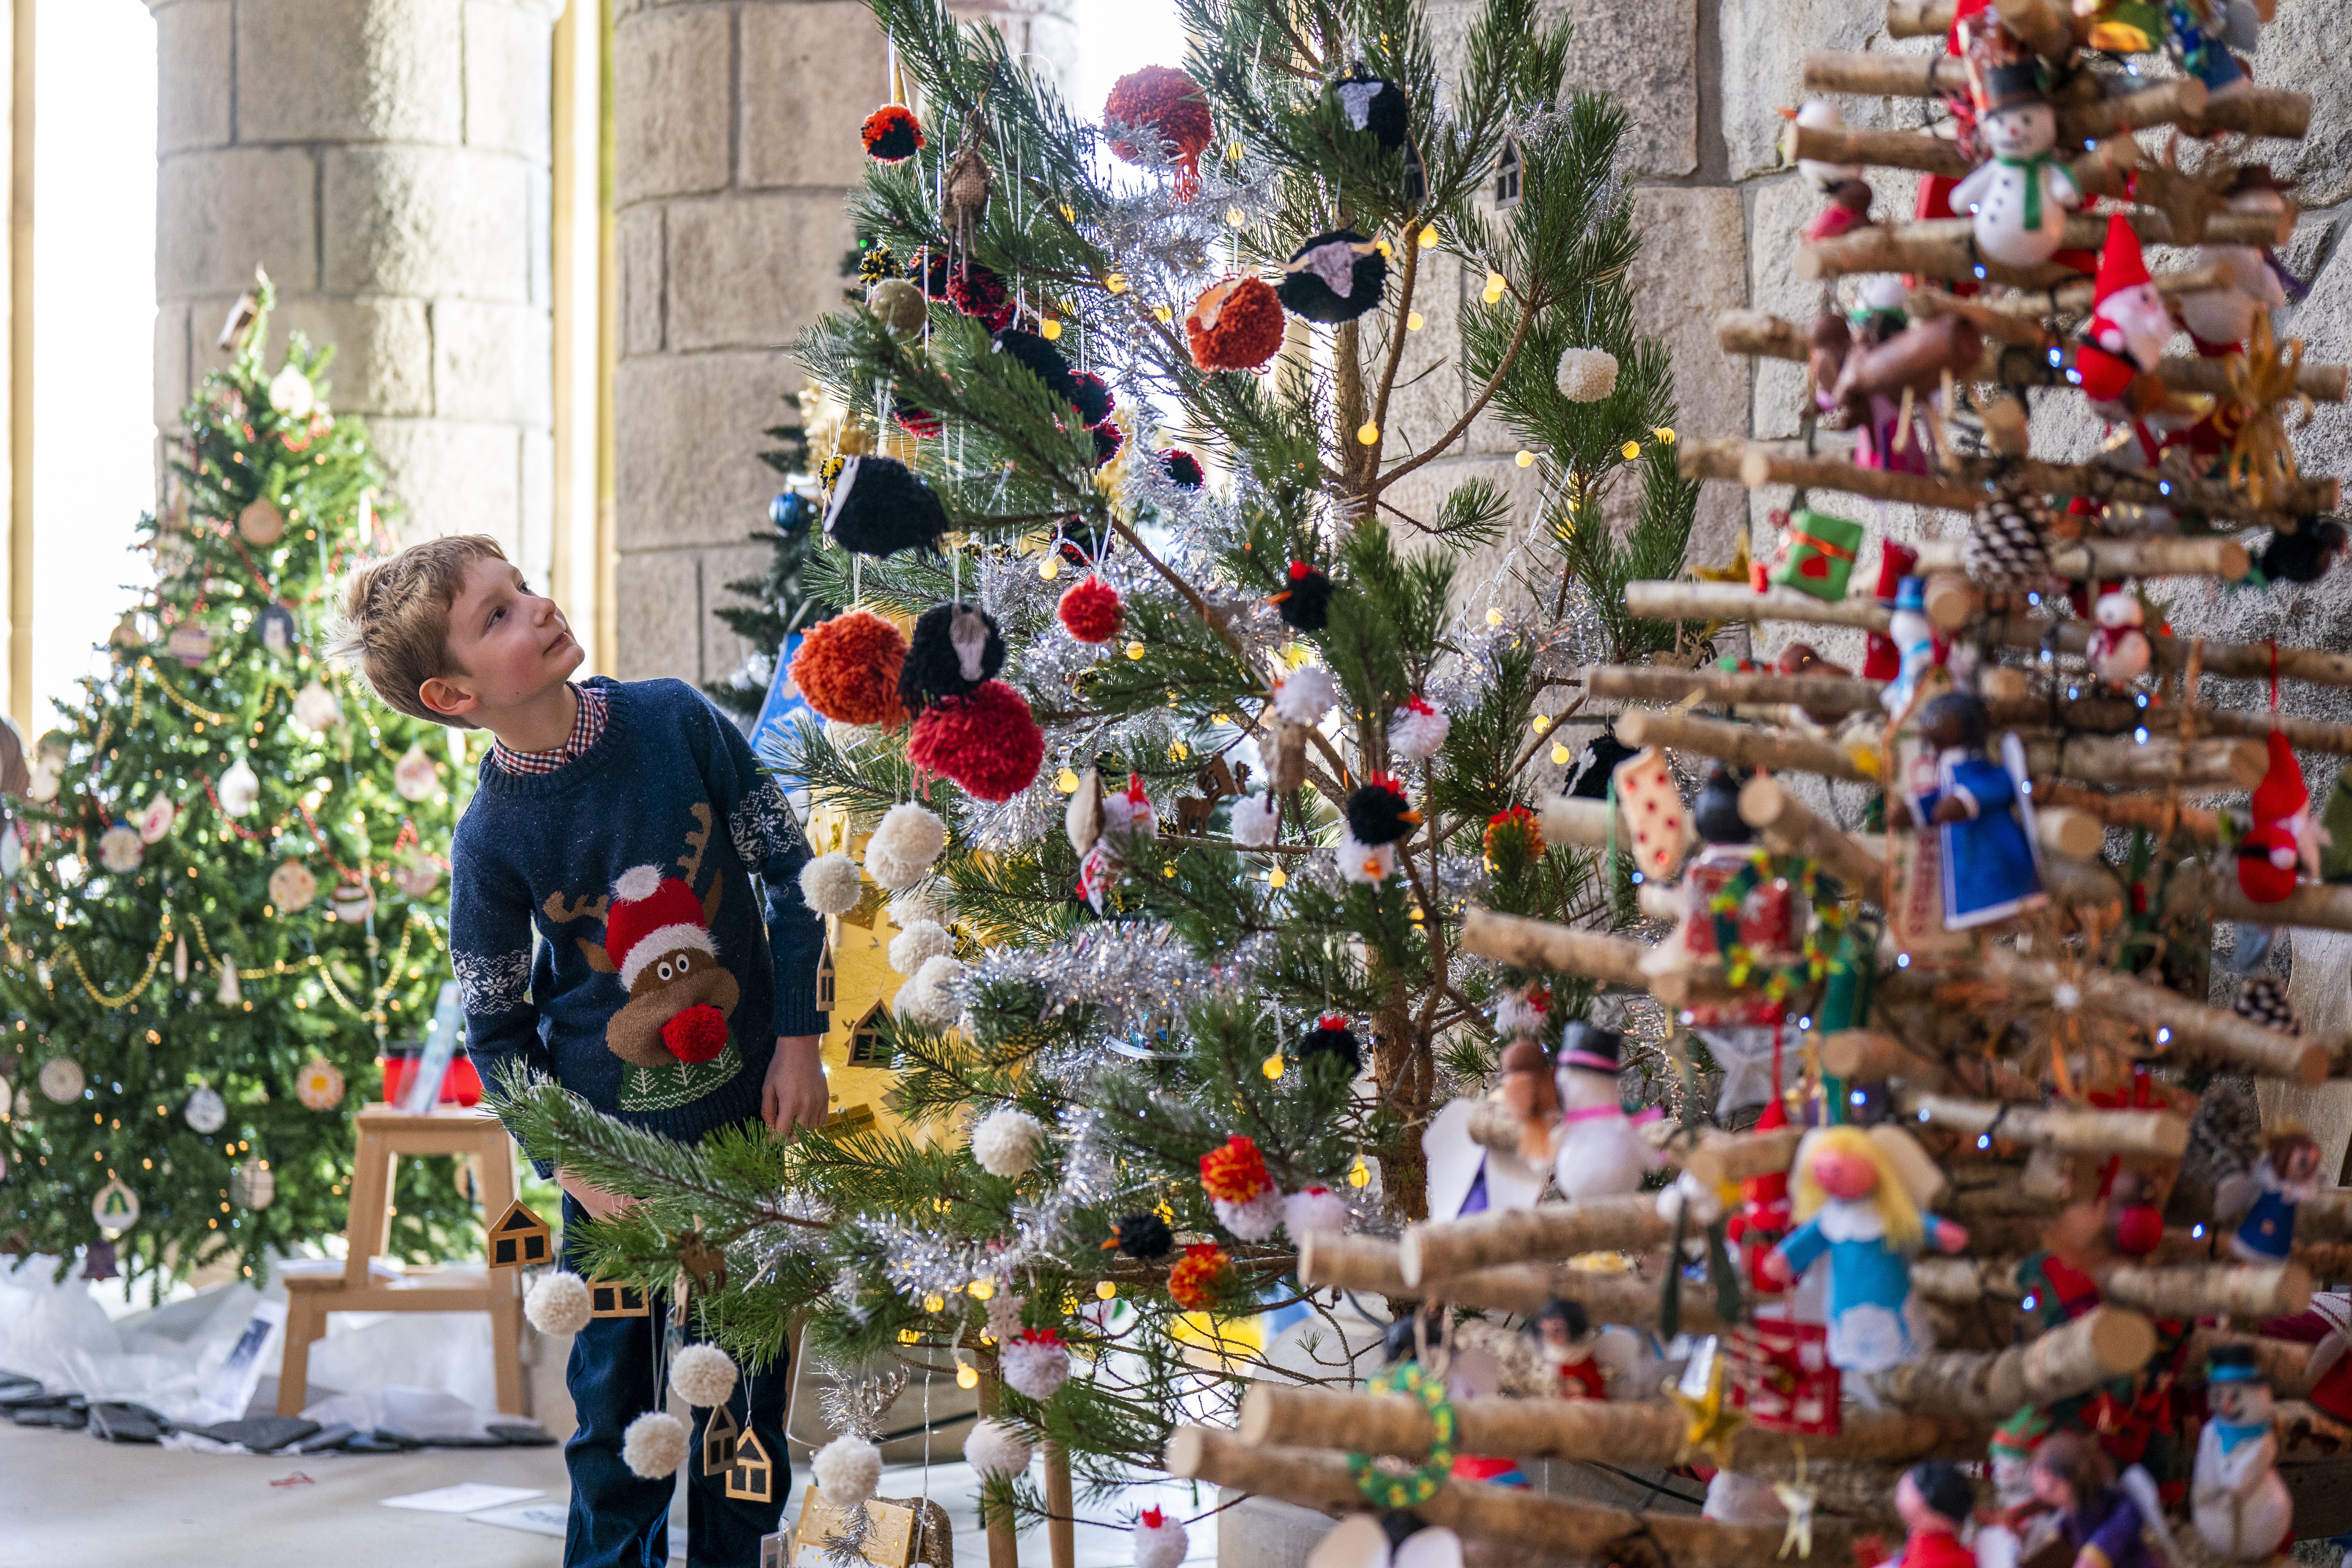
(1655, 814)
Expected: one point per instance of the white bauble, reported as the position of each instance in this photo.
(1257, 819)
(120, 848)
(415, 776)
(654, 1445)
(239, 788)
(1006, 1143)
(929, 999)
(317, 710)
(995, 1449)
(847, 1470)
(830, 884)
(558, 1303)
(703, 1375)
(919, 943)
(1587, 376)
(62, 1079)
(205, 1112)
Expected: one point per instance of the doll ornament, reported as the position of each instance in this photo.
(1599, 1154)
(1982, 816)
(2018, 197)
(2263, 1201)
(2241, 1506)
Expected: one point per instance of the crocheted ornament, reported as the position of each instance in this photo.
(911, 834)
(1314, 1208)
(1165, 102)
(1379, 812)
(1007, 1142)
(1234, 1170)
(1108, 440)
(1370, 103)
(1236, 324)
(892, 134)
(847, 1470)
(1035, 1365)
(1142, 1236)
(1417, 731)
(899, 306)
(1333, 278)
(831, 885)
(1306, 603)
(1160, 1541)
(1587, 376)
(1306, 694)
(847, 669)
(1183, 468)
(1091, 396)
(1255, 1220)
(2264, 1001)
(1090, 610)
(995, 1449)
(1199, 1277)
(929, 998)
(2009, 542)
(986, 741)
(1257, 819)
(1715, 812)
(654, 1445)
(1367, 865)
(558, 1303)
(919, 942)
(1331, 1038)
(2305, 555)
(880, 506)
(1514, 837)
(955, 647)
(703, 1375)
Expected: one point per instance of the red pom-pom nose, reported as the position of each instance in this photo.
(697, 1034)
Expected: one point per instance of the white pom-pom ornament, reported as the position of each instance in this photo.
(1034, 1364)
(927, 999)
(1252, 1221)
(1687, 1192)
(1418, 728)
(1306, 695)
(1310, 1209)
(1160, 1541)
(924, 902)
(1587, 376)
(847, 1469)
(909, 839)
(995, 1449)
(1006, 1143)
(558, 1303)
(702, 1375)
(654, 1445)
(830, 884)
(1257, 819)
(919, 944)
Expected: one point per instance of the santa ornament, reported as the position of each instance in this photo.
(2128, 327)
(2282, 837)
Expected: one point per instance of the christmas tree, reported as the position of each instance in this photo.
(228, 883)
(780, 600)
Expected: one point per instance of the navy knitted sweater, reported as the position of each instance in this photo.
(654, 994)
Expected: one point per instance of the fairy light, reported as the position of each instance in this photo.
(1560, 755)
(1360, 1174)
(1135, 650)
(1413, 322)
(1116, 282)
(1049, 567)
(1105, 1290)
(1272, 1067)
(1067, 782)
(1526, 459)
(967, 1376)
(981, 1289)
(1049, 328)
(1428, 238)
(1630, 450)
(1369, 433)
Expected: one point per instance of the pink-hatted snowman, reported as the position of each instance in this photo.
(2018, 198)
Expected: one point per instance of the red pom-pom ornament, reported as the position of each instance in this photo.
(1199, 1277)
(1170, 104)
(697, 1034)
(1091, 610)
(980, 294)
(847, 669)
(1236, 324)
(1108, 440)
(920, 422)
(986, 741)
(892, 134)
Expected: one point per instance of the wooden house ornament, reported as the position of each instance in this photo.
(609, 1299)
(824, 978)
(720, 1436)
(753, 1477)
(517, 1238)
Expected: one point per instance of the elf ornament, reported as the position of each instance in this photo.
(1982, 814)
(1599, 1154)
(2118, 651)
(2242, 1509)
(1236, 324)
(2124, 340)
(2019, 198)
(1859, 1204)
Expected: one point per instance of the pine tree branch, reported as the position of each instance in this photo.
(1531, 304)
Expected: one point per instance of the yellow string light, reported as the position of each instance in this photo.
(967, 1376)
(1272, 1067)
(1560, 755)
(981, 1289)
(1067, 782)
(1526, 459)
(1116, 282)
(1413, 322)
(1630, 450)
(1277, 878)
(1105, 1290)
(1049, 328)
(1369, 433)
(1428, 238)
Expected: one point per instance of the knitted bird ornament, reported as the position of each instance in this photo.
(880, 506)
(1183, 468)
(1090, 610)
(892, 134)
(956, 647)
(1169, 104)
(1140, 1236)
(1333, 278)
(847, 669)
(986, 741)
(1379, 812)
(1236, 324)
(1331, 1038)
(1418, 730)
(1306, 603)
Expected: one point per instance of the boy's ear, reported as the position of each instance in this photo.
(447, 698)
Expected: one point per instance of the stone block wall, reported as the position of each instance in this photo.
(387, 160)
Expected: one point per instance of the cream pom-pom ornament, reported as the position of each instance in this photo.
(995, 1449)
(558, 1303)
(1310, 1209)
(1006, 1143)
(1687, 1192)
(654, 1445)
(702, 1375)
(909, 839)
(830, 884)
(1034, 1364)
(1257, 819)
(1253, 1220)
(918, 944)
(1587, 376)
(1306, 695)
(847, 1470)
(926, 999)
(1160, 1541)
(924, 902)
(1418, 728)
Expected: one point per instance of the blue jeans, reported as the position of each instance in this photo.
(620, 1519)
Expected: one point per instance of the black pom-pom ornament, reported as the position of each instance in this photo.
(1379, 812)
(1333, 278)
(1090, 395)
(880, 506)
(2305, 555)
(1183, 468)
(1037, 356)
(1306, 605)
(1372, 104)
(1108, 440)
(955, 647)
(1715, 813)
(1142, 1236)
(892, 134)
(1330, 1037)
(1597, 766)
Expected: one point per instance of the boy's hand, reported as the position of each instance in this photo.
(794, 1095)
(600, 1203)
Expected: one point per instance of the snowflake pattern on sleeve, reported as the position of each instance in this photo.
(493, 982)
(764, 827)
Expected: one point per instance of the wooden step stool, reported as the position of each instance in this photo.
(386, 1134)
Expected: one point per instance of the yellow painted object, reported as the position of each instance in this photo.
(856, 1082)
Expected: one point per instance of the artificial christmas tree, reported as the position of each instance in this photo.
(231, 893)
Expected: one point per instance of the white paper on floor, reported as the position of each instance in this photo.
(466, 1497)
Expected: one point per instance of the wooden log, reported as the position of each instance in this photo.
(1791, 827)
(1884, 76)
(1760, 332)
(1660, 601)
(2064, 830)
(2168, 103)
(2095, 560)
(2114, 716)
(1885, 149)
(1342, 1260)
(2253, 111)
(2070, 1129)
(2046, 29)
(2180, 1028)
(1546, 1233)
(2320, 906)
(2237, 660)
(2144, 811)
(2320, 383)
(1615, 1431)
(2100, 481)
(1869, 1056)
(1918, 18)
(2181, 1290)
(2326, 1217)
(2073, 1357)
(1328, 1260)
(2152, 763)
(1722, 687)
(1571, 819)
(1541, 945)
(1748, 745)
(1061, 1515)
(1947, 247)
(1533, 1524)
(1721, 1157)
(1762, 466)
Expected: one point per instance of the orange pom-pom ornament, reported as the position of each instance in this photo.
(1199, 1277)
(848, 668)
(985, 740)
(1091, 610)
(1164, 100)
(1236, 324)
(892, 134)
(1234, 1173)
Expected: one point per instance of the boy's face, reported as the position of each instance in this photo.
(507, 644)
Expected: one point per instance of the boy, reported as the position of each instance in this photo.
(621, 825)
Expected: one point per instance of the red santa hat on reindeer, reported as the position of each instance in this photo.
(652, 915)
(2129, 323)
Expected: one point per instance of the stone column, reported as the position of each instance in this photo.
(387, 162)
(735, 149)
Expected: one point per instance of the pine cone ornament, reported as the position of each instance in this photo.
(2009, 543)
(2263, 1000)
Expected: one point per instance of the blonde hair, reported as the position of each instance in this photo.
(1891, 1199)
(396, 618)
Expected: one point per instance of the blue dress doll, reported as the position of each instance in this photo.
(1982, 816)
(1858, 1213)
